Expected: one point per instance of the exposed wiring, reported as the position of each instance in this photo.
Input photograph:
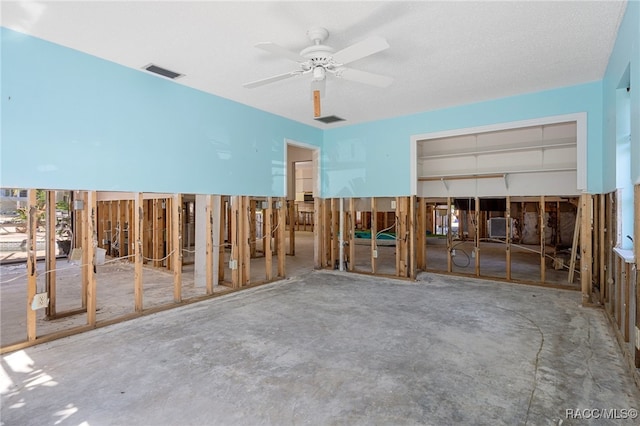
(163, 258)
(74, 266)
(382, 232)
(453, 257)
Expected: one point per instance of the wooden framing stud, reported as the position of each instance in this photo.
(176, 246)
(543, 243)
(411, 246)
(137, 237)
(374, 232)
(32, 274)
(209, 244)
(586, 249)
(92, 210)
(477, 237)
(449, 237)
(281, 212)
(421, 237)
(350, 229)
(509, 232)
(291, 213)
(318, 229)
(636, 245)
(245, 277)
(335, 230)
(51, 253)
(267, 238)
(84, 242)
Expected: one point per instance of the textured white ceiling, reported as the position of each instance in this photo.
(442, 53)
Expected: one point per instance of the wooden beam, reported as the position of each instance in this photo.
(122, 218)
(411, 246)
(351, 231)
(508, 239)
(224, 223)
(449, 237)
(402, 237)
(326, 239)
(291, 212)
(268, 254)
(32, 273)
(112, 225)
(253, 234)
(217, 249)
(158, 231)
(176, 246)
(51, 253)
(398, 241)
(281, 212)
(603, 246)
(574, 244)
(92, 210)
(136, 235)
(585, 249)
(84, 226)
(317, 229)
(209, 243)
(636, 250)
(542, 223)
(335, 229)
(374, 231)
(477, 237)
(246, 252)
(610, 215)
(147, 230)
(421, 238)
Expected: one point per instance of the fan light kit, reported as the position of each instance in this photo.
(320, 60)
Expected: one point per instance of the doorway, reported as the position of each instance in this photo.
(302, 192)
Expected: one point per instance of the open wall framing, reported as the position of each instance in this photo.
(132, 247)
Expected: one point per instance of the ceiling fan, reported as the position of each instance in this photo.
(320, 60)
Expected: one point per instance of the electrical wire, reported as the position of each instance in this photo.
(44, 273)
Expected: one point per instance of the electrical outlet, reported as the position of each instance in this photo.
(40, 300)
(375, 254)
(453, 253)
(393, 204)
(233, 264)
(637, 338)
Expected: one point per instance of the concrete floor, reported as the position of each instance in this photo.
(333, 348)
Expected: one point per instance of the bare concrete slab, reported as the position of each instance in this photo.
(333, 348)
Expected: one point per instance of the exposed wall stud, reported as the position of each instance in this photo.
(585, 249)
(138, 217)
(51, 253)
(268, 255)
(91, 208)
(32, 274)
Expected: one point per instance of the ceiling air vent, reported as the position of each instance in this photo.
(329, 119)
(162, 71)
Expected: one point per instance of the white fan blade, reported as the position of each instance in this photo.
(364, 77)
(361, 49)
(268, 80)
(280, 51)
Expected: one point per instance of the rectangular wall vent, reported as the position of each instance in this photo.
(162, 71)
(329, 119)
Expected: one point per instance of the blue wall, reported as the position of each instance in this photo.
(373, 159)
(625, 54)
(73, 121)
